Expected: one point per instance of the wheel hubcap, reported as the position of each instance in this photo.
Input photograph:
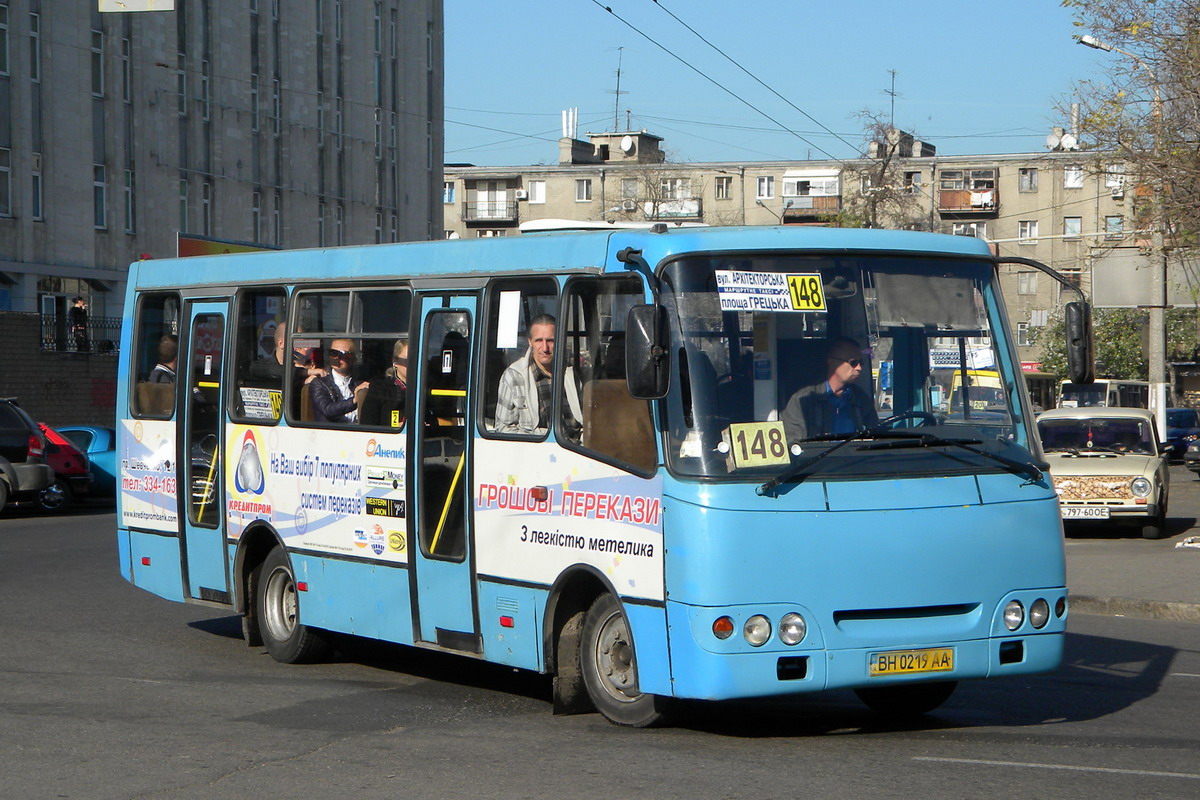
(614, 660)
(280, 604)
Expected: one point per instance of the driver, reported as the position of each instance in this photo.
(835, 405)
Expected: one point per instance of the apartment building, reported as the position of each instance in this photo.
(1064, 208)
(273, 123)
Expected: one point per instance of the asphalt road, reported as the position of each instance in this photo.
(109, 692)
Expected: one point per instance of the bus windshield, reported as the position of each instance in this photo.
(778, 358)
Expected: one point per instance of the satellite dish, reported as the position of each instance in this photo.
(1069, 142)
(1053, 140)
(627, 144)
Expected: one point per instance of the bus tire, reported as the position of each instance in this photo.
(285, 638)
(609, 667)
(906, 699)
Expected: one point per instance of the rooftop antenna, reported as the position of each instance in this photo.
(618, 92)
(892, 92)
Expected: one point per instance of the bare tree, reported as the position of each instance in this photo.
(888, 199)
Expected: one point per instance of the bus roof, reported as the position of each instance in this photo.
(545, 252)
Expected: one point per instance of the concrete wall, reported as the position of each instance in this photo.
(54, 387)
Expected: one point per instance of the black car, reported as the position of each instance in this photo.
(23, 468)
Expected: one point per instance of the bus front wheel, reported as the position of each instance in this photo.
(286, 639)
(608, 664)
(906, 699)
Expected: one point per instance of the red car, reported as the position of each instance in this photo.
(72, 472)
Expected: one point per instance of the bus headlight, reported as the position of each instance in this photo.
(757, 630)
(1039, 613)
(1014, 615)
(792, 628)
(1140, 487)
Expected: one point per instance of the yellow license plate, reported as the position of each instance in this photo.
(907, 662)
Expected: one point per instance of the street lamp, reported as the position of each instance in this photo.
(1158, 275)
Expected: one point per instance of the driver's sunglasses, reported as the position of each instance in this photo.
(853, 362)
(345, 355)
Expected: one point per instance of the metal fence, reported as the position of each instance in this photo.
(101, 335)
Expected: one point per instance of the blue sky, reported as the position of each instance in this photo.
(972, 76)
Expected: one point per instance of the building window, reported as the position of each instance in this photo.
(1023, 334)
(952, 179)
(675, 188)
(1114, 227)
(378, 227)
(1073, 177)
(1027, 178)
(1027, 282)
(35, 47)
(321, 224)
(99, 197)
(206, 201)
(912, 183)
(126, 71)
(339, 225)
(276, 108)
(766, 187)
(181, 90)
(256, 217)
(183, 205)
(253, 102)
(976, 229)
(1072, 227)
(277, 219)
(130, 204)
(629, 188)
(97, 64)
(723, 187)
(5, 182)
(4, 40)
(204, 94)
(583, 190)
(1027, 231)
(447, 192)
(491, 233)
(1114, 178)
(36, 188)
(537, 191)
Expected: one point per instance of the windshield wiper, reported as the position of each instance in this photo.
(898, 438)
(1025, 469)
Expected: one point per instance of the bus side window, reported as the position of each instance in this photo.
(260, 361)
(156, 330)
(512, 305)
(596, 411)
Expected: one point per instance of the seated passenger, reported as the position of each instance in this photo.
(335, 396)
(524, 400)
(384, 403)
(270, 369)
(837, 404)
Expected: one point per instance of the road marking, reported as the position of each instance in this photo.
(1184, 675)
(1067, 767)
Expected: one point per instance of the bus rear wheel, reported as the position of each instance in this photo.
(608, 664)
(906, 699)
(285, 638)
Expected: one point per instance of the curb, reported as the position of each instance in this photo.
(1133, 607)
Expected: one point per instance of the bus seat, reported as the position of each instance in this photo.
(617, 424)
(155, 398)
(306, 406)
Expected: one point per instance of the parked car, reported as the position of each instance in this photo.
(100, 445)
(1183, 428)
(72, 472)
(1191, 457)
(1107, 466)
(23, 468)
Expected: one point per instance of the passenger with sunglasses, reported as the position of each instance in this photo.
(335, 396)
(837, 404)
(384, 404)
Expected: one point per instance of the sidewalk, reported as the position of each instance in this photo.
(1133, 577)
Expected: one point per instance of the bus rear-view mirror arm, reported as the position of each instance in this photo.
(1081, 361)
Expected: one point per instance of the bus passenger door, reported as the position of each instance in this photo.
(200, 366)
(440, 484)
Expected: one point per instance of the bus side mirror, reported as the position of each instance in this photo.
(1080, 348)
(647, 366)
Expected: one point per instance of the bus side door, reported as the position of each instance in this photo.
(201, 369)
(444, 561)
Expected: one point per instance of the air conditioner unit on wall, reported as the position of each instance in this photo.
(521, 194)
(629, 205)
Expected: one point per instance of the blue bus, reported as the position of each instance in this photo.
(648, 463)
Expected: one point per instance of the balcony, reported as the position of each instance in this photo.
(968, 201)
(686, 208)
(490, 212)
(809, 208)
